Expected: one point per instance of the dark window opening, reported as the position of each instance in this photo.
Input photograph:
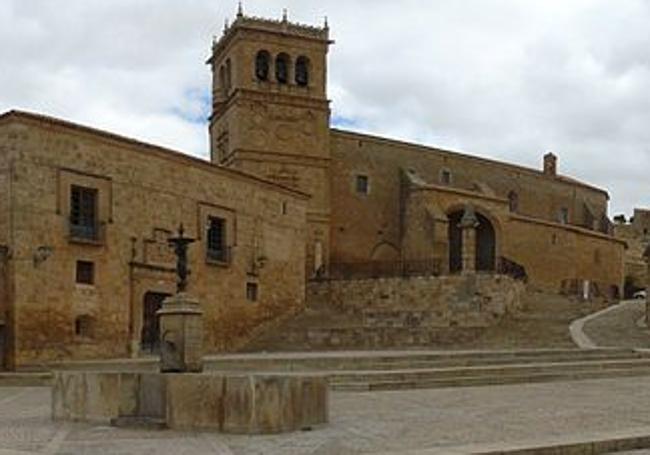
(513, 201)
(216, 240)
(564, 215)
(302, 71)
(262, 65)
(363, 184)
(83, 212)
(445, 177)
(84, 326)
(85, 272)
(284, 208)
(282, 68)
(251, 292)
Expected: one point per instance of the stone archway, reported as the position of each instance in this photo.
(485, 245)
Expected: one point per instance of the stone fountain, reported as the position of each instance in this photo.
(181, 395)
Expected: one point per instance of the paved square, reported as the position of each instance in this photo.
(361, 422)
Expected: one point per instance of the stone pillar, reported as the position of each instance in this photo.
(468, 225)
(181, 335)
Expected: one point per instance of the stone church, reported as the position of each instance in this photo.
(285, 200)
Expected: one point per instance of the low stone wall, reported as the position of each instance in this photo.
(477, 300)
(228, 403)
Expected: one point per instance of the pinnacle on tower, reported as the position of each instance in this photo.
(240, 10)
(284, 15)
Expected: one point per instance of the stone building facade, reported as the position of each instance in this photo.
(85, 215)
(78, 289)
(636, 232)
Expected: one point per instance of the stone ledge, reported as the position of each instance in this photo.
(228, 403)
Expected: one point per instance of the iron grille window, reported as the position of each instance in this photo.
(83, 212)
(216, 240)
(362, 184)
(85, 272)
(251, 292)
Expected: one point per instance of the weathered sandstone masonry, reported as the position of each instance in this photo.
(142, 194)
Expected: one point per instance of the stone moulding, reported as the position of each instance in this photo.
(227, 403)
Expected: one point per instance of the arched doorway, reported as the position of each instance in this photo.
(485, 243)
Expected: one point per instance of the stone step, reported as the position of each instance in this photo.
(408, 360)
(19, 379)
(402, 364)
(469, 381)
(485, 371)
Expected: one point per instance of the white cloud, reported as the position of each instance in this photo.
(500, 78)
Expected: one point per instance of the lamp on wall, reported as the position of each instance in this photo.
(41, 254)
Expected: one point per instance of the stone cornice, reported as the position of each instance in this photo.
(277, 27)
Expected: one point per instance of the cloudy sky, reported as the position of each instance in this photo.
(506, 79)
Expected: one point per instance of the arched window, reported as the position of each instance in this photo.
(282, 68)
(513, 201)
(262, 65)
(302, 71)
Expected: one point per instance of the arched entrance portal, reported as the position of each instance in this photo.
(485, 248)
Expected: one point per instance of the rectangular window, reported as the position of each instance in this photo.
(445, 177)
(564, 215)
(85, 272)
(83, 213)
(362, 184)
(251, 292)
(216, 240)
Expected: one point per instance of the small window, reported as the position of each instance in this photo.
(445, 177)
(85, 272)
(228, 75)
(282, 68)
(251, 292)
(513, 202)
(284, 209)
(363, 184)
(83, 212)
(216, 240)
(302, 71)
(564, 215)
(262, 65)
(84, 326)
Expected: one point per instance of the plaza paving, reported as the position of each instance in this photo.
(379, 422)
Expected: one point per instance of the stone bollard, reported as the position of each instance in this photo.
(181, 335)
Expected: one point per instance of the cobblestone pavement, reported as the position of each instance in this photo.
(619, 327)
(360, 422)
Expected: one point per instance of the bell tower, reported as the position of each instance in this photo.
(270, 112)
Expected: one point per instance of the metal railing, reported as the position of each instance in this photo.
(383, 269)
(92, 233)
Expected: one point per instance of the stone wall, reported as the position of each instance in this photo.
(553, 254)
(637, 237)
(144, 193)
(476, 300)
(361, 223)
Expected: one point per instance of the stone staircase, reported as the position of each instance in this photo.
(374, 371)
